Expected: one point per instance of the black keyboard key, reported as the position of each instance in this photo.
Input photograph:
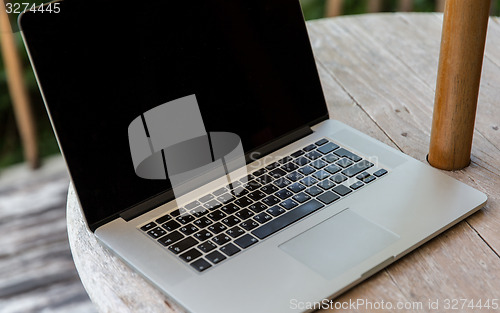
(246, 179)
(269, 189)
(272, 166)
(212, 205)
(230, 249)
(206, 198)
(225, 198)
(183, 245)
(249, 225)
(380, 172)
(342, 190)
(231, 221)
(283, 194)
(277, 173)
(276, 210)
(296, 187)
(326, 184)
(294, 176)
(221, 239)
(357, 168)
(302, 161)
(288, 204)
(296, 154)
(199, 211)
(243, 202)
(244, 214)
(285, 160)
(262, 217)
(257, 195)
(188, 229)
(318, 164)
(170, 238)
(149, 226)
(348, 154)
(220, 191)
(369, 179)
(184, 219)
(328, 197)
(192, 205)
(217, 228)
(338, 178)
(257, 207)
(328, 148)
(314, 191)
(287, 219)
(240, 191)
(217, 215)
(314, 155)
(321, 142)
(281, 183)
(290, 167)
(301, 197)
(330, 158)
(215, 257)
(235, 232)
(190, 255)
(171, 225)
(176, 213)
(202, 222)
(203, 235)
(200, 265)
(245, 241)
(332, 169)
(356, 185)
(308, 181)
(362, 175)
(320, 175)
(252, 186)
(207, 246)
(163, 219)
(259, 172)
(306, 170)
(309, 147)
(345, 162)
(270, 201)
(230, 208)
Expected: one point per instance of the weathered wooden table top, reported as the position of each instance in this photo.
(378, 74)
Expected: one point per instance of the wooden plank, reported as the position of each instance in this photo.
(400, 101)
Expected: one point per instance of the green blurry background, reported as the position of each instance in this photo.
(10, 144)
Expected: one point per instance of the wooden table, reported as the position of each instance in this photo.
(379, 75)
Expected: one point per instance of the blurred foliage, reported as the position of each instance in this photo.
(10, 143)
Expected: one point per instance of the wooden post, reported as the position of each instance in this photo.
(17, 90)
(374, 6)
(459, 74)
(405, 5)
(440, 5)
(334, 7)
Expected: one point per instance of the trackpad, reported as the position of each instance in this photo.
(339, 243)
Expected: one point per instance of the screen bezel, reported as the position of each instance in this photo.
(166, 196)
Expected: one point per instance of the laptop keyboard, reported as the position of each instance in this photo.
(229, 220)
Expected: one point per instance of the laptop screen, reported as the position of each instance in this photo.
(102, 64)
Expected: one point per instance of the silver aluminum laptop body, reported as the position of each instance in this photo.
(320, 256)
(315, 258)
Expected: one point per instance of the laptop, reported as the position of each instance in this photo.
(199, 144)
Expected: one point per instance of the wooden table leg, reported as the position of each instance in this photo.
(459, 74)
(17, 90)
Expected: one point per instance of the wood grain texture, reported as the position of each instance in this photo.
(379, 75)
(459, 74)
(37, 273)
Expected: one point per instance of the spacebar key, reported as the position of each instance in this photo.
(287, 219)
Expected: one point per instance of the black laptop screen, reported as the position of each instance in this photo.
(101, 64)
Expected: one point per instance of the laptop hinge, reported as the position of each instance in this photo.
(251, 156)
(278, 143)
